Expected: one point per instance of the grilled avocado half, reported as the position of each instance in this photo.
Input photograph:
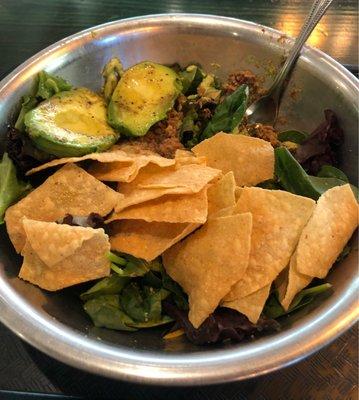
(71, 123)
(143, 96)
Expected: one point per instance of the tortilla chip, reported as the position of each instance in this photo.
(331, 225)
(173, 208)
(252, 305)
(237, 192)
(153, 182)
(223, 212)
(53, 260)
(250, 159)
(71, 190)
(183, 157)
(278, 220)
(333, 222)
(147, 240)
(209, 262)
(112, 155)
(127, 172)
(221, 194)
(291, 283)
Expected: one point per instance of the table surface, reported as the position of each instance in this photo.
(28, 26)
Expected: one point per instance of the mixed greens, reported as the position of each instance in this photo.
(185, 107)
(131, 297)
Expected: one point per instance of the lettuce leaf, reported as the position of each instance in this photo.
(47, 86)
(105, 312)
(273, 308)
(11, 188)
(228, 114)
(131, 297)
(293, 178)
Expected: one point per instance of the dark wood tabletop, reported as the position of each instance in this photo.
(27, 26)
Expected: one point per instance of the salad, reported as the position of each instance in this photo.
(168, 208)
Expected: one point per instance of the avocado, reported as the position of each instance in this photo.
(143, 96)
(70, 123)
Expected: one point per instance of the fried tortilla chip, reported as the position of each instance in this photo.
(119, 164)
(291, 283)
(153, 182)
(71, 190)
(331, 225)
(209, 262)
(252, 305)
(147, 240)
(221, 194)
(57, 256)
(115, 154)
(278, 220)
(183, 157)
(172, 208)
(333, 222)
(125, 172)
(250, 159)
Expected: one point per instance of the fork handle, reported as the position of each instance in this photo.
(316, 12)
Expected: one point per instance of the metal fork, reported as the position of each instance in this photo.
(265, 109)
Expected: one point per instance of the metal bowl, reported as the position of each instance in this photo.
(55, 322)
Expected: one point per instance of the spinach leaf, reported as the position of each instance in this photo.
(328, 171)
(112, 284)
(11, 188)
(131, 266)
(228, 114)
(114, 258)
(273, 308)
(165, 319)
(293, 136)
(270, 184)
(294, 179)
(50, 84)
(345, 252)
(105, 312)
(142, 305)
(191, 77)
(152, 279)
(291, 175)
(177, 294)
(132, 297)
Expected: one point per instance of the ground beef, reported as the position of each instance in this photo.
(163, 137)
(265, 132)
(245, 78)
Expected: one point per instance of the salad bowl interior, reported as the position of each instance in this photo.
(55, 322)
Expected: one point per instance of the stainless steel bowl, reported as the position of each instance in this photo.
(55, 323)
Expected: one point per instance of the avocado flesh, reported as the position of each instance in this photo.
(143, 96)
(71, 123)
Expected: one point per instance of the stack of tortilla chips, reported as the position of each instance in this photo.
(222, 239)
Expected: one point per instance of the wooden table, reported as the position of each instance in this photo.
(28, 26)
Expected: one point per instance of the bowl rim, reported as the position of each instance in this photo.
(207, 367)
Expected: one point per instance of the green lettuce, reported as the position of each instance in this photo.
(273, 308)
(293, 178)
(11, 188)
(47, 86)
(228, 114)
(131, 297)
